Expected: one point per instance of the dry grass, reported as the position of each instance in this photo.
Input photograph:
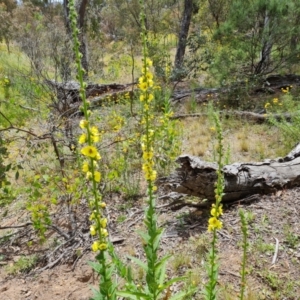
(246, 142)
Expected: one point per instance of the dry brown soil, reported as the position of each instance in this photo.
(273, 217)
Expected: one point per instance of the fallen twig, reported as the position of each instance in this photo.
(16, 226)
(276, 252)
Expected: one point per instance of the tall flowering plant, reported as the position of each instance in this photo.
(89, 138)
(214, 222)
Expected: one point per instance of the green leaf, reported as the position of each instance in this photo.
(160, 267)
(157, 239)
(133, 295)
(97, 294)
(96, 266)
(173, 280)
(17, 175)
(183, 294)
(145, 236)
(139, 262)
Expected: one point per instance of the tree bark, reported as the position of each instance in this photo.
(196, 177)
(183, 34)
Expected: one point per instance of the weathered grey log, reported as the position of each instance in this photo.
(68, 96)
(196, 177)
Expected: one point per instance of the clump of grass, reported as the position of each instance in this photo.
(22, 265)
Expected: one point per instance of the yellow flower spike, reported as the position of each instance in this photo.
(85, 167)
(82, 138)
(103, 222)
(83, 124)
(89, 151)
(97, 176)
(92, 229)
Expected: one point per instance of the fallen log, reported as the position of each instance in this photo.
(68, 96)
(269, 85)
(245, 115)
(196, 177)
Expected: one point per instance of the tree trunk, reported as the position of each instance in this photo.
(197, 178)
(267, 44)
(183, 34)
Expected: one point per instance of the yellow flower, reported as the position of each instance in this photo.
(95, 246)
(88, 175)
(212, 128)
(149, 76)
(93, 230)
(150, 97)
(267, 105)
(102, 204)
(147, 155)
(104, 232)
(153, 175)
(214, 223)
(97, 176)
(142, 98)
(85, 167)
(143, 86)
(89, 151)
(83, 124)
(98, 156)
(150, 83)
(82, 139)
(216, 212)
(102, 246)
(275, 100)
(149, 62)
(103, 222)
(92, 216)
(95, 134)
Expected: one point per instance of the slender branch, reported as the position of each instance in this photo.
(12, 127)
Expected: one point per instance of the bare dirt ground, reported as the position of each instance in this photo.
(273, 218)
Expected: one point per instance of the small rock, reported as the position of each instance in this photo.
(3, 289)
(28, 294)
